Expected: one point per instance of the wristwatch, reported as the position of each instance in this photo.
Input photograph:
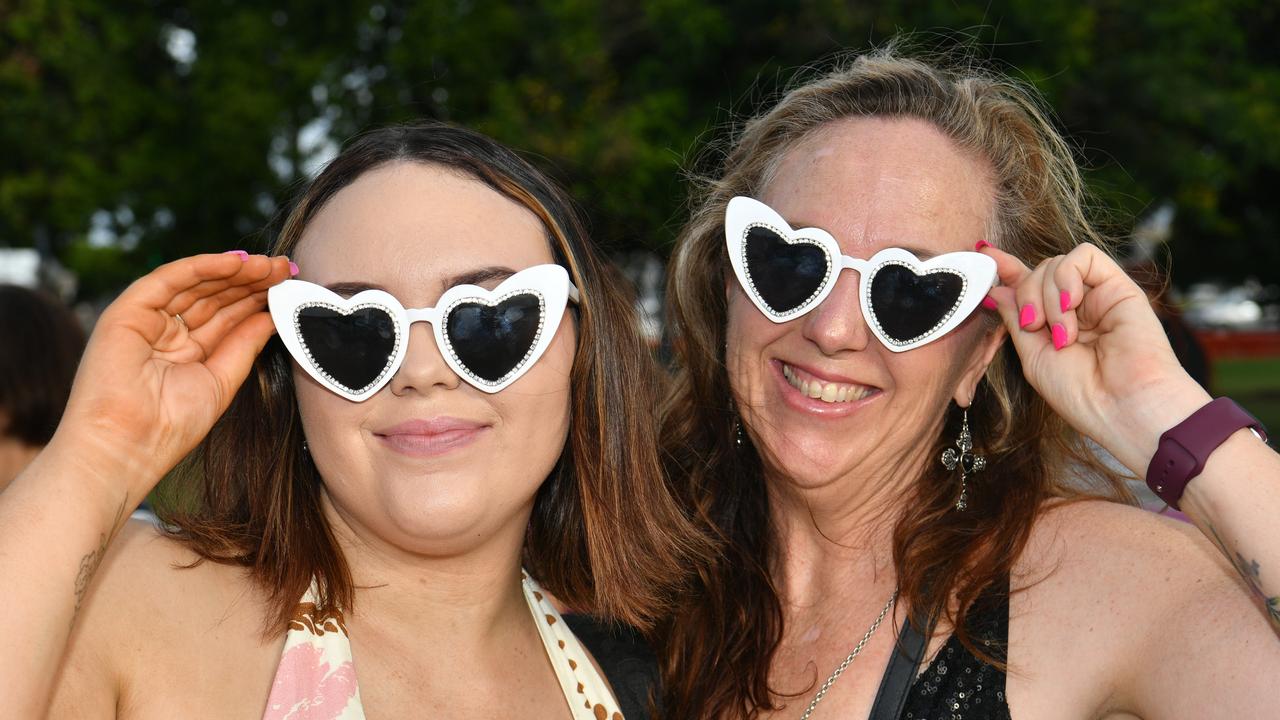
(1185, 448)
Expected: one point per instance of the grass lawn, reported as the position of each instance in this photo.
(1255, 384)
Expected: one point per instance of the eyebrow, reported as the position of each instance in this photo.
(919, 252)
(347, 289)
(479, 276)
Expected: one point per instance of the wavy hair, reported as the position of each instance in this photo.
(713, 666)
(256, 495)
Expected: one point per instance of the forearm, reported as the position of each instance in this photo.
(56, 521)
(1236, 503)
(1235, 500)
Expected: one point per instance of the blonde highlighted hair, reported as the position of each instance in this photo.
(717, 652)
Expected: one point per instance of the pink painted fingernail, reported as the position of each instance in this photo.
(1027, 315)
(243, 255)
(989, 304)
(293, 269)
(1059, 333)
(1064, 300)
(981, 244)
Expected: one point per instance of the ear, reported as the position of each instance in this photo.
(979, 360)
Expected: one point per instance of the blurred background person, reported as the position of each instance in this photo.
(40, 346)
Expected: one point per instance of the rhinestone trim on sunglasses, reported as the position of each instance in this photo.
(297, 326)
(893, 280)
(802, 241)
(537, 336)
(479, 333)
(875, 318)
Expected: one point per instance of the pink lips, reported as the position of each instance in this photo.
(812, 406)
(430, 438)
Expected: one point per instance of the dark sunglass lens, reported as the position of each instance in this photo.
(491, 340)
(908, 306)
(353, 349)
(785, 275)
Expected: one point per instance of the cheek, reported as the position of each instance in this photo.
(748, 334)
(330, 423)
(935, 370)
(535, 410)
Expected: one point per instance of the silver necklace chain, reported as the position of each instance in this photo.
(842, 666)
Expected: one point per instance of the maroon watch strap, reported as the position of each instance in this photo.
(1184, 448)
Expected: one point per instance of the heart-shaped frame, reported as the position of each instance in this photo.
(548, 283)
(743, 215)
(976, 272)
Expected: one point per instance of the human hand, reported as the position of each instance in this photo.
(1091, 345)
(163, 363)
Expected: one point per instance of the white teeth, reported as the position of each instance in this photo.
(827, 392)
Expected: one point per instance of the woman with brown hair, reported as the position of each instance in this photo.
(40, 345)
(872, 451)
(457, 413)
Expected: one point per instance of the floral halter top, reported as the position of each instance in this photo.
(316, 679)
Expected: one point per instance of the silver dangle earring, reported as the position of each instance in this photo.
(733, 407)
(738, 439)
(306, 448)
(968, 462)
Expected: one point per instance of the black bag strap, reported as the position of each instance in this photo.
(901, 672)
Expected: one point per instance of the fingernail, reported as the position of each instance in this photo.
(1064, 301)
(1027, 315)
(243, 255)
(1059, 336)
(989, 304)
(293, 269)
(981, 244)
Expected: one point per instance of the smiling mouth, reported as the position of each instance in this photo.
(428, 438)
(818, 389)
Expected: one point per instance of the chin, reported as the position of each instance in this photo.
(808, 474)
(435, 520)
(808, 462)
(439, 516)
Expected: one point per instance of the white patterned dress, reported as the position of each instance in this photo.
(316, 678)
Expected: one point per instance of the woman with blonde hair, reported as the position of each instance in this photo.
(897, 331)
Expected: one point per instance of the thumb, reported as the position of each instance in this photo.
(231, 361)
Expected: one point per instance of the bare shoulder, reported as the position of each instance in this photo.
(1142, 565)
(149, 577)
(151, 614)
(1105, 590)
(1096, 534)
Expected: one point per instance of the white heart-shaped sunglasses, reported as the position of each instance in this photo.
(490, 338)
(907, 302)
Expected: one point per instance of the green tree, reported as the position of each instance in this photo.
(131, 135)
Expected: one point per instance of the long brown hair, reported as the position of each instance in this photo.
(606, 535)
(718, 650)
(43, 342)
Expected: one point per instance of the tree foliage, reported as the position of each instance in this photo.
(132, 133)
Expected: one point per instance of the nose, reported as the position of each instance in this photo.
(838, 324)
(424, 366)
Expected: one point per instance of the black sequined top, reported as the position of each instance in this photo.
(959, 686)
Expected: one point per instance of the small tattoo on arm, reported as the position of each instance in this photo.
(90, 562)
(1251, 571)
(88, 566)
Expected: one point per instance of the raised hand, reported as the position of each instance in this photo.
(164, 361)
(1091, 345)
